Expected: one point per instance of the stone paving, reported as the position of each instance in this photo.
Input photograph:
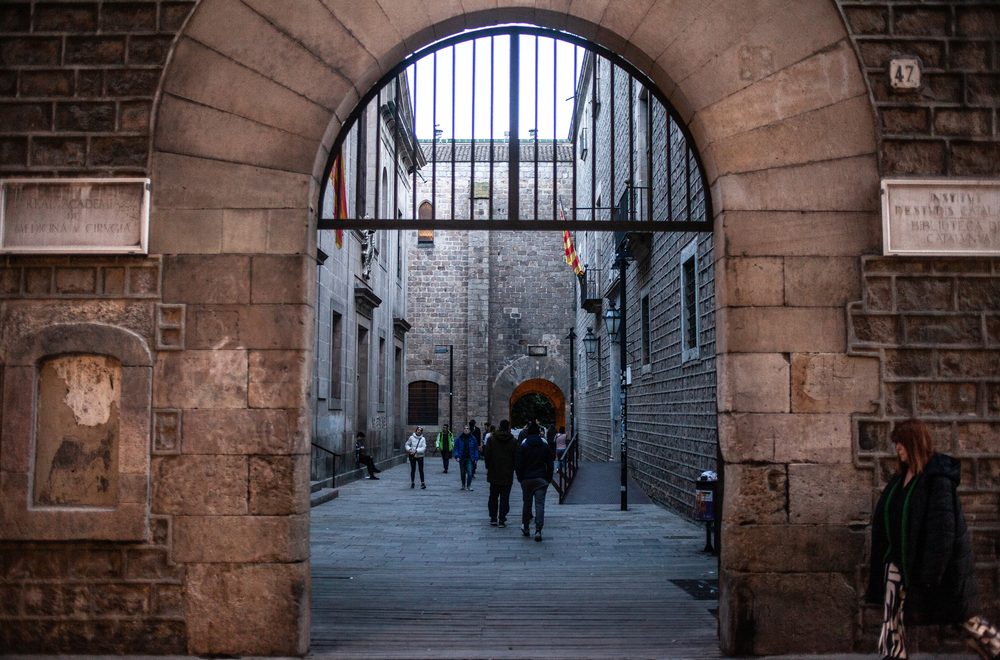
(420, 573)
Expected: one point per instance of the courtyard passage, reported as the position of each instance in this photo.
(401, 573)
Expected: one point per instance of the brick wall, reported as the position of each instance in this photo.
(933, 322)
(77, 83)
(489, 294)
(949, 126)
(935, 327)
(672, 433)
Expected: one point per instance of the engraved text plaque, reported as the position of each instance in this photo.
(73, 216)
(941, 217)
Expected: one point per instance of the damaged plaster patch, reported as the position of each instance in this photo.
(92, 387)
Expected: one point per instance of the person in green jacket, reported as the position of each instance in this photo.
(445, 443)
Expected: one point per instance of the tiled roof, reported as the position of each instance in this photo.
(463, 151)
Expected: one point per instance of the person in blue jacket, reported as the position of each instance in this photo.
(466, 452)
(533, 464)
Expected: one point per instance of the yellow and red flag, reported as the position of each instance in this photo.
(339, 195)
(571, 257)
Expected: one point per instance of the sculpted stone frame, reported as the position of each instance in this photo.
(128, 519)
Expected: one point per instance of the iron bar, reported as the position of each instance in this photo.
(395, 154)
(472, 152)
(594, 105)
(413, 137)
(378, 152)
(434, 137)
(631, 148)
(687, 182)
(492, 107)
(575, 130)
(670, 170)
(555, 94)
(649, 156)
(612, 199)
(535, 150)
(452, 133)
(361, 167)
(513, 142)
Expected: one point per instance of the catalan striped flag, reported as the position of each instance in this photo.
(339, 195)
(571, 256)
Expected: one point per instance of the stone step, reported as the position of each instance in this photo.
(319, 485)
(322, 496)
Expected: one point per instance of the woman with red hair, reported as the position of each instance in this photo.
(921, 555)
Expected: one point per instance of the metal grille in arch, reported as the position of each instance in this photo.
(515, 127)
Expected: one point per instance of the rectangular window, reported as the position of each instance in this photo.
(381, 373)
(646, 352)
(336, 359)
(425, 237)
(689, 302)
(399, 256)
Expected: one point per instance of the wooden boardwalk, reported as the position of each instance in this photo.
(400, 573)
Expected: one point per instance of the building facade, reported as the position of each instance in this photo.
(491, 310)
(822, 342)
(361, 308)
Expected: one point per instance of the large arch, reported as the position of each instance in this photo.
(251, 101)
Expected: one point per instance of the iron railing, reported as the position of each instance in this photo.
(569, 464)
(323, 466)
(590, 289)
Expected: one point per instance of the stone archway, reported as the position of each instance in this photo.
(547, 389)
(250, 102)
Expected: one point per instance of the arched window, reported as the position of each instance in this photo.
(425, 236)
(423, 408)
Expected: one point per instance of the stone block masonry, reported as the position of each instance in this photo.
(932, 324)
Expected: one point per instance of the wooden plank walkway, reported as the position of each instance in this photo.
(400, 573)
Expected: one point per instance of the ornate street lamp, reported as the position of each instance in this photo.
(590, 343)
(612, 321)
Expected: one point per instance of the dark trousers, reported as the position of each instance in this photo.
(370, 464)
(465, 467)
(533, 489)
(446, 458)
(414, 462)
(499, 502)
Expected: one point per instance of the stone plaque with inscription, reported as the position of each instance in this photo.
(941, 217)
(66, 216)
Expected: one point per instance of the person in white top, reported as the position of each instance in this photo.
(416, 447)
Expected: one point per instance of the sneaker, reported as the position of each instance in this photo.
(468, 488)
(423, 486)
(493, 523)
(524, 531)
(411, 485)
(373, 477)
(463, 487)
(538, 535)
(502, 523)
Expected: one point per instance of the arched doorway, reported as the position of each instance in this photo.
(546, 389)
(243, 129)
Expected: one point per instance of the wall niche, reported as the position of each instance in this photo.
(74, 447)
(77, 424)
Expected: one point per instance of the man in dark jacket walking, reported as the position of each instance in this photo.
(499, 454)
(533, 464)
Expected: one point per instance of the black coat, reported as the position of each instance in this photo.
(533, 460)
(937, 549)
(499, 455)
